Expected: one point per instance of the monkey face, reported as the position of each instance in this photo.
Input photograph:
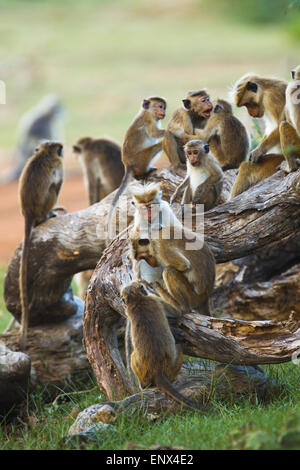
(252, 99)
(133, 290)
(202, 106)
(255, 110)
(195, 153)
(159, 110)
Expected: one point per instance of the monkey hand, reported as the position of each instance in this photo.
(256, 155)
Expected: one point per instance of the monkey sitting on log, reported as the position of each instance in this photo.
(187, 264)
(156, 359)
(184, 124)
(142, 144)
(204, 180)
(102, 166)
(264, 98)
(39, 187)
(290, 129)
(227, 136)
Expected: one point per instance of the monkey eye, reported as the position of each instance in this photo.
(195, 152)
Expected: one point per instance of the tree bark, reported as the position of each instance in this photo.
(255, 220)
(56, 352)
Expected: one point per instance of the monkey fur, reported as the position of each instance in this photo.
(227, 136)
(39, 186)
(184, 124)
(102, 166)
(188, 275)
(142, 144)
(156, 359)
(204, 180)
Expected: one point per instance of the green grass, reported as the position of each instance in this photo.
(236, 424)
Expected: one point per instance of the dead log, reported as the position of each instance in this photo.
(14, 377)
(259, 218)
(56, 353)
(222, 340)
(65, 245)
(261, 286)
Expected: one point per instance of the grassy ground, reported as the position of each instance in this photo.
(236, 424)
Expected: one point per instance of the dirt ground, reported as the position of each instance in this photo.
(73, 197)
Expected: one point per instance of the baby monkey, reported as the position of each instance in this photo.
(156, 359)
(39, 185)
(204, 180)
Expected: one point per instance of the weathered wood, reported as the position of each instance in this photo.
(222, 340)
(56, 352)
(65, 245)
(258, 218)
(14, 377)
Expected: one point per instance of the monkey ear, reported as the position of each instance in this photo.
(293, 74)
(187, 103)
(60, 150)
(76, 149)
(206, 148)
(251, 86)
(146, 104)
(143, 290)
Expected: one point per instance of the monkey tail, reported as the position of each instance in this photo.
(122, 187)
(23, 282)
(165, 386)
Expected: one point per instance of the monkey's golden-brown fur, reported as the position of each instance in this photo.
(39, 185)
(142, 144)
(188, 272)
(252, 173)
(102, 166)
(290, 129)
(184, 123)
(264, 98)
(204, 180)
(156, 359)
(227, 136)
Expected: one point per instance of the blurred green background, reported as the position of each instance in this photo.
(102, 57)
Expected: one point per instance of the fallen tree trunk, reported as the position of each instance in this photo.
(65, 245)
(257, 219)
(56, 352)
